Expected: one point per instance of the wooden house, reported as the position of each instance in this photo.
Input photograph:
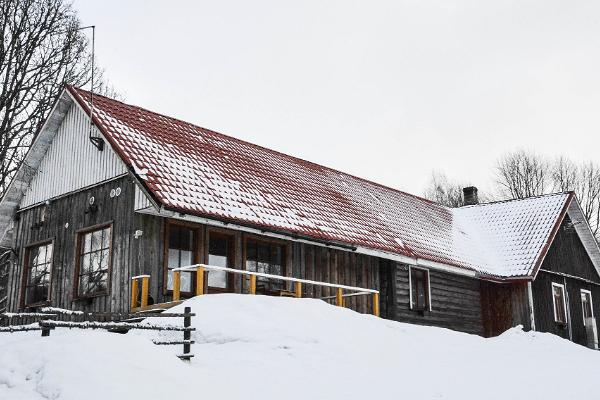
(138, 193)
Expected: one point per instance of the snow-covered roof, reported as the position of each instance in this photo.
(510, 236)
(196, 171)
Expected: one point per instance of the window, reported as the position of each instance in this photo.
(560, 306)
(39, 265)
(93, 261)
(419, 289)
(268, 258)
(220, 251)
(587, 305)
(181, 253)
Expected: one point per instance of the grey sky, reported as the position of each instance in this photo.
(386, 90)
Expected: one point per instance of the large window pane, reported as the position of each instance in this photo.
(586, 304)
(419, 289)
(180, 254)
(219, 249)
(558, 293)
(94, 259)
(39, 264)
(266, 258)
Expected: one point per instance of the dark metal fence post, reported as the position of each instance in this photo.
(187, 334)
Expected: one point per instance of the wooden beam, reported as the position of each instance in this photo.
(376, 304)
(199, 281)
(252, 284)
(134, 293)
(339, 298)
(145, 288)
(298, 291)
(176, 285)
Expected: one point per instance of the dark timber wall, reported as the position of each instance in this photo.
(504, 305)
(566, 256)
(455, 302)
(62, 219)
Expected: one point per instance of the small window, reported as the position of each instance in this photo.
(93, 262)
(419, 289)
(39, 266)
(560, 306)
(220, 250)
(587, 305)
(182, 249)
(268, 258)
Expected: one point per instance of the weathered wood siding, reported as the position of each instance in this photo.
(455, 301)
(566, 256)
(504, 305)
(71, 161)
(72, 210)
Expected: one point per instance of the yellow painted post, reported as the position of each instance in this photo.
(252, 284)
(298, 289)
(199, 281)
(339, 299)
(145, 287)
(176, 285)
(376, 304)
(134, 293)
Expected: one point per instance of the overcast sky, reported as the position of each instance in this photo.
(386, 90)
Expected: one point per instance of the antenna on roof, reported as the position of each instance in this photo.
(98, 142)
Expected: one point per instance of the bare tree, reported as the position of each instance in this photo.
(522, 174)
(443, 191)
(41, 50)
(584, 180)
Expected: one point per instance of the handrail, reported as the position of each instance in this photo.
(201, 269)
(271, 276)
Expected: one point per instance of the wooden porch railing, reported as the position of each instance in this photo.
(201, 269)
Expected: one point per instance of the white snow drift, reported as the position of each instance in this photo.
(280, 348)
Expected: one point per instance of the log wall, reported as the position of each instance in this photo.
(455, 302)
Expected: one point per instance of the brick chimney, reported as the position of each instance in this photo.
(470, 196)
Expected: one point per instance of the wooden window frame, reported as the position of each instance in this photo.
(564, 300)
(286, 257)
(410, 290)
(26, 254)
(199, 231)
(588, 292)
(229, 235)
(78, 239)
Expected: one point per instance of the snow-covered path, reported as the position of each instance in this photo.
(282, 348)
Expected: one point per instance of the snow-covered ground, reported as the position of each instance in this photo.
(280, 348)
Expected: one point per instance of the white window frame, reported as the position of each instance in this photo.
(564, 297)
(410, 297)
(582, 291)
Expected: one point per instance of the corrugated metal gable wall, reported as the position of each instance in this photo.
(72, 162)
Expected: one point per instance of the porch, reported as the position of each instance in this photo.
(288, 286)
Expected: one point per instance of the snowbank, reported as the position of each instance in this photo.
(282, 348)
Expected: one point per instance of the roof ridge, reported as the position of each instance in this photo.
(266, 148)
(489, 203)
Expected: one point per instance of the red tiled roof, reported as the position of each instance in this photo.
(197, 171)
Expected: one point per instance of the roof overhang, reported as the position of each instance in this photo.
(16, 189)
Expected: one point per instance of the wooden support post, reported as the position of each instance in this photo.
(176, 285)
(199, 281)
(376, 304)
(134, 293)
(145, 288)
(252, 284)
(339, 299)
(298, 289)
